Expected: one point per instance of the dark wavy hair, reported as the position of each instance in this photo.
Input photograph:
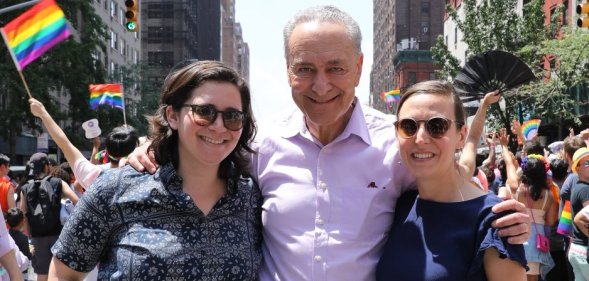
(534, 175)
(178, 87)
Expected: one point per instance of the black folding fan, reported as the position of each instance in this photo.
(490, 71)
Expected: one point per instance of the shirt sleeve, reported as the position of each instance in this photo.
(85, 235)
(4, 238)
(86, 172)
(491, 239)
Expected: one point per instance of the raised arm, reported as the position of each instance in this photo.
(467, 160)
(509, 158)
(490, 161)
(70, 152)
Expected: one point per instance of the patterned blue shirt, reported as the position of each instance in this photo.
(144, 227)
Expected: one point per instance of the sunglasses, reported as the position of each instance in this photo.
(436, 127)
(206, 115)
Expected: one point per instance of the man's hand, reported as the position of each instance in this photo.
(515, 226)
(140, 159)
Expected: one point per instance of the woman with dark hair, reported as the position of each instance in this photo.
(199, 216)
(531, 188)
(444, 232)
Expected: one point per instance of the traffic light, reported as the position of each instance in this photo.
(132, 15)
(583, 12)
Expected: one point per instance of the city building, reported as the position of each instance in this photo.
(404, 32)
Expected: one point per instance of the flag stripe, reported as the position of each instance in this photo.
(13, 26)
(37, 42)
(105, 88)
(107, 94)
(42, 49)
(35, 24)
(57, 25)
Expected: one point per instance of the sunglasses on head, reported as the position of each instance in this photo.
(206, 114)
(436, 127)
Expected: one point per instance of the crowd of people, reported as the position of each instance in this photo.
(333, 190)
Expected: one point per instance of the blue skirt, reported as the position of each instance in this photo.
(535, 255)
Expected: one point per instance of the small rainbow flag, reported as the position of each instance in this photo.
(530, 128)
(391, 96)
(108, 94)
(565, 225)
(34, 32)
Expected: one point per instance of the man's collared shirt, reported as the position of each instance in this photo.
(328, 208)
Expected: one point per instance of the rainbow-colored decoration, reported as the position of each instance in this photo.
(530, 128)
(391, 96)
(107, 94)
(565, 225)
(34, 32)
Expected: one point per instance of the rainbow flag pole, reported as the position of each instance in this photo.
(33, 33)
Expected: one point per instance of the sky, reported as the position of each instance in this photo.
(262, 22)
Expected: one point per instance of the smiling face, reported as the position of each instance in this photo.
(424, 155)
(206, 145)
(323, 70)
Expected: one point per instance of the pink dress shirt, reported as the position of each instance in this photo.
(327, 209)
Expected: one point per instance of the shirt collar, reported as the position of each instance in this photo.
(171, 180)
(295, 125)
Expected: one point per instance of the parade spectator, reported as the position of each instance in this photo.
(6, 186)
(199, 216)
(16, 220)
(329, 154)
(579, 199)
(421, 230)
(41, 204)
(531, 188)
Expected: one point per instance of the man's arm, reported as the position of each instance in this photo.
(140, 159)
(582, 219)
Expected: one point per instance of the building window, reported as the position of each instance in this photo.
(114, 40)
(161, 58)
(113, 9)
(160, 34)
(432, 76)
(122, 17)
(161, 10)
(425, 7)
(424, 27)
(412, 78)
(123, 49)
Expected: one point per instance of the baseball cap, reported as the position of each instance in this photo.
(38, 161)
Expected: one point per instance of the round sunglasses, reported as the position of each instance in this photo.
(206, 115)
(436, 126)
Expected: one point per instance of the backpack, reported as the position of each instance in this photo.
(43, 203)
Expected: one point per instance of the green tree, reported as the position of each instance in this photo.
(490, 25)
(66, 69)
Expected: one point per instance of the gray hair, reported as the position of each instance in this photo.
(321, 14)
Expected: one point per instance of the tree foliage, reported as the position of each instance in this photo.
(66, 70)
(488, 25)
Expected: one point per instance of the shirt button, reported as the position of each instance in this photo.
(318, 258)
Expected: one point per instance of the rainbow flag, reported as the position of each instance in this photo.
(108, 94)
(530, 128)
(391, 96)
(34, 32)
(565, 225)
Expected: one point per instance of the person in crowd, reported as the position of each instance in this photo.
(7, 188)
(42, 206)
(430, 128)
(577, 254)
(531, 188)
(328, 154)
(199, 217)
(12, 261)
(119, 143)
(559, 168)
(16, 220)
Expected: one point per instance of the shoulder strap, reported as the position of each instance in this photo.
(545, 198)
(531, 211)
